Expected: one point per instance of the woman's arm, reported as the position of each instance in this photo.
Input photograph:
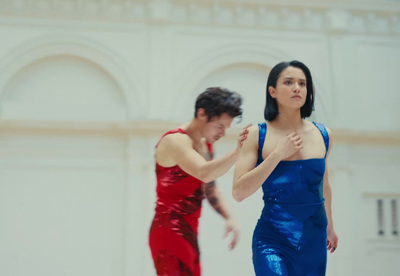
(332, 237)
(247, 177)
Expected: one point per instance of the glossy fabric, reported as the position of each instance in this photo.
(290, 237)
(173, 232)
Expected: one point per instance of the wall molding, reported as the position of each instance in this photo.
(150, 128)
(365, 17)
(79, 46)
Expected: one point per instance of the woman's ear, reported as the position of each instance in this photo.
(272, 92)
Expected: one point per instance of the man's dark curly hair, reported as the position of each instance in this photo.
(218, 100)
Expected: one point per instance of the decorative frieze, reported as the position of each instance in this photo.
(381, 18)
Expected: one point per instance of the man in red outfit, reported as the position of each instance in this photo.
(186, 171)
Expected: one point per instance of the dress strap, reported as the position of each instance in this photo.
(325, 135)
(172, 131)
(210, 151)
(262, 131)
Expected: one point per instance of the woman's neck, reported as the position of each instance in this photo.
(290, 121)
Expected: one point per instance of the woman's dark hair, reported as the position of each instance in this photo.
(217, 100)
(271, 106)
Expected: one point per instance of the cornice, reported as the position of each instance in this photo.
(364, 17)
(150, 128)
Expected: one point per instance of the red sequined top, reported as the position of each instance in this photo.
(174, 228)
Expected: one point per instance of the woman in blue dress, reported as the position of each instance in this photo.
(287, 157)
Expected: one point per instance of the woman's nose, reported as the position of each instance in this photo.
(296, 87)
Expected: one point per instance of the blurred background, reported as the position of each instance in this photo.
(87, 87)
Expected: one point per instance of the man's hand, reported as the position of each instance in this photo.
(230, 227)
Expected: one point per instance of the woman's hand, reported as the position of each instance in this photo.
(332, 241)
(289, 145)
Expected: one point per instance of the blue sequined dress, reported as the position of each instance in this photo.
(290, 237)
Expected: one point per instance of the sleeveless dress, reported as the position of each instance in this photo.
(290, 238)
(173, 232)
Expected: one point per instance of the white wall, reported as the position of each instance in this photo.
(62, 205)
(88, 87)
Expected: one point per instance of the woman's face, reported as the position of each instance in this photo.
(291, 88)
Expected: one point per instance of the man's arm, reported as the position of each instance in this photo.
(216, 200)
(179, 149)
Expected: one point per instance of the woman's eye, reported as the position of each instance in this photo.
(302, 84)
(288, 82)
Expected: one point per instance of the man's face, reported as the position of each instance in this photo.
(215, 128)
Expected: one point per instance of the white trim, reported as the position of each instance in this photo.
(381, 17)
